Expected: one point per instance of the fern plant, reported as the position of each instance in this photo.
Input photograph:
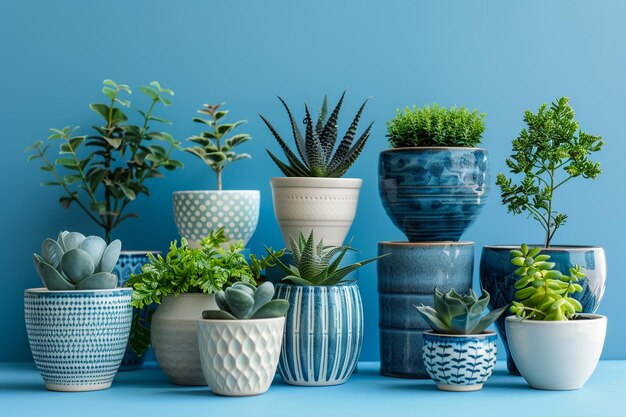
(316, 147)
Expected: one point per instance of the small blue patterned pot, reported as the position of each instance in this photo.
(433, 194)
(407, 277)
(323, 333)
(459, 362)
(77, 338)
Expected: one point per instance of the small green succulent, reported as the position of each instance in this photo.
(76, 262)
(244, 301)
(543, 293)
(459, 314)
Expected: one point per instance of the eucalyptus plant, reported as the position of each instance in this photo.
(244, 301)
(548, 153)
(102, 173)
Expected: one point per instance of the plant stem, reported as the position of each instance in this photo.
(548, 229)
(218, 172)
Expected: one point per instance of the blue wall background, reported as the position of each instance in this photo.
(499, 57)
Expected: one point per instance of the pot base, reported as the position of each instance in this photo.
(78, 388)
(459, 388)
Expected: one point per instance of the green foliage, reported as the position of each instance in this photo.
(244, 301)
(317, 145)
(212, 146)
(435, 126)
(459, 314)
(315, 264)
(548, 153)
(105, 171)
(543, 293)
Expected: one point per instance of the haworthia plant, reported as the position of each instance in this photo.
(243, 301)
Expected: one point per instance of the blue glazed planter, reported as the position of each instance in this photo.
(433, 194)
(459, 362)
(323, 333)
(497, 277)
(408, 277)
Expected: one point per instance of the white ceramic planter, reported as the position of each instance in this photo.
(175, 339)
(326, 205)
(556, 355)
(240, 357)
(197, 213)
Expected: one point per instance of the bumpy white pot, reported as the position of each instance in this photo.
(326, 205)
(556, 355)
(240, 357)
(175, 338)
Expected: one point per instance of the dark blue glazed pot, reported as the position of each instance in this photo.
(407, 276)
(497, 277)
(433, 194)
(323, 333)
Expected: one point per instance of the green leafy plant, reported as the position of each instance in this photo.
(105, 171)
(543, 293)
(459, 314)
(435, 126)
(316, 146)
(548, 153)
(244, 301)
(213, 147)
(316, 264)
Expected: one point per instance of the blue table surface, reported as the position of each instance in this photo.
(148, 392)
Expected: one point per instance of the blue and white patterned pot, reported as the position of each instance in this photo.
(459, 362)
(323, 333)
(77, 338)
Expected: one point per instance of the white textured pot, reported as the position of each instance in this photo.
(175, 339)
(240, 357)
(325, 205)
(197, 213)
(556, 355)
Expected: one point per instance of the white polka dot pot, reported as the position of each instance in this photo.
(197, 213)
(325, 205)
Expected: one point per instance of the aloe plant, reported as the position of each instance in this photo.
(316, 146)
(459, 314)
(244, 301)
(76, 262)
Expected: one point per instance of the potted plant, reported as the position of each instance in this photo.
(78, 324)
(324, 328)
(553, 346)
(313, 195)
(433, 182)
(240, 343)
(550, 152)
(459, 352)
(183, 284)
(197, 213)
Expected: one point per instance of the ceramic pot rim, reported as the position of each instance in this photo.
(595, 318)
(188, 295)
(238, 322)
(216, 192)
(433, 148)
(486, 333)
(43, 291)
(140, 252)
(563, 248)
(316, 182)
(425, 244)
(344, 283)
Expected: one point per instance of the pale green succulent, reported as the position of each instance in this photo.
(76, 262)
(243, 301)
(459, 314)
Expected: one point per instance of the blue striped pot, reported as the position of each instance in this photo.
(323, 333)
(459, 362)
(77, 338)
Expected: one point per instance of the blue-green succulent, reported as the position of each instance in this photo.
(76, 262)
(244, 301)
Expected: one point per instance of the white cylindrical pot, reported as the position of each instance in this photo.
(325, 205)
(197, 213)
(556, 355)
(240, 357)
(175, 339)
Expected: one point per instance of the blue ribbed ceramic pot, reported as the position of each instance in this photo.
(497, 277)
(77, 338)
(323, 333)
(433, 194)
(407, 276)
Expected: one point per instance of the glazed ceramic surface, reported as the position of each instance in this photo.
(77, 338)
(323, 333)
(459, 362)
(407, 276)
(197, 213)
(433, 194)
(239, 357)
(275, 274)
(497, 277)
(556, 355)
(175, 336)
(326, 205)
